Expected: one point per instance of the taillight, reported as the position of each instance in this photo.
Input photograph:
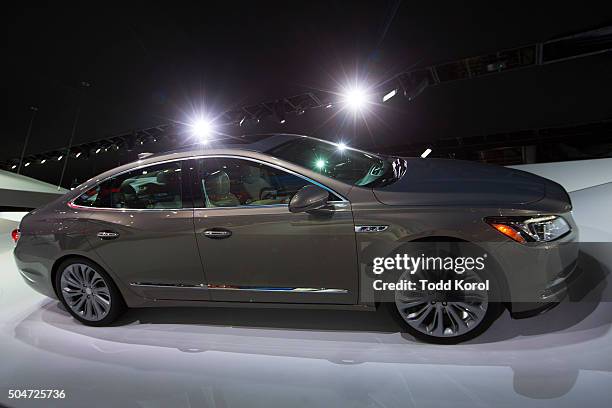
(15, 235)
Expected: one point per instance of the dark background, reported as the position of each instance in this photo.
(151, 63)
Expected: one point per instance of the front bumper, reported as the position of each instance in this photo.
(554, 293)
(538, 275)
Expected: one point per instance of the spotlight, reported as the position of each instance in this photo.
(389, 95)
(355, 98)
(426, 153)
(202, 129)
(320, 163)
(341, 146)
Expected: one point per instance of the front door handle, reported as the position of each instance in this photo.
(107, 235)
(217, 233)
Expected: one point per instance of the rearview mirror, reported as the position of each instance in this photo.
(308, 198)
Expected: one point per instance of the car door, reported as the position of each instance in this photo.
(141, 225)
(254, 250)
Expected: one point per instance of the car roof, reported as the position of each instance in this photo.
(255, 143)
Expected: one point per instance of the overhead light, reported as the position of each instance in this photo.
(341, 146)
(329, 105)
(426, 153)
(27, 164)
(389, 95)
(98, 150)
(77, 155)
(13, 167)
(202, 129)
(60, 157)
(320, 163)
(355, 98)
(43, 161)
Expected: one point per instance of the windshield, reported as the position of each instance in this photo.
(335, 161)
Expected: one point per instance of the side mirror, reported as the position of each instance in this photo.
(308, 198)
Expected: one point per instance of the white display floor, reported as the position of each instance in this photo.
(212, 357)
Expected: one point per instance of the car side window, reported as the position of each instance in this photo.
(230, 182)
(153, 187)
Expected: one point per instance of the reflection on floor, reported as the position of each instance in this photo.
(277, 358)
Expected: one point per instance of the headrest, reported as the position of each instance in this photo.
(126, 188)
(217, 183)
(168, 177)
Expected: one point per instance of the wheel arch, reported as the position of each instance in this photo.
(499, 274)
(64, 258)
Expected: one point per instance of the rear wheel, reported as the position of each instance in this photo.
(88, 293)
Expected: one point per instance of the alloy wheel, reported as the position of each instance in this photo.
(443, 313)
(85, 292)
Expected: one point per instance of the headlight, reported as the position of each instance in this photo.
(527, 229)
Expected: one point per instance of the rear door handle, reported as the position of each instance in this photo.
(217, 233)
(107, 235)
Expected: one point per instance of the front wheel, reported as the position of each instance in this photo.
(88, 292)
(448, 317)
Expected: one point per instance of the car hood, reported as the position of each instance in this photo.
(457, 182)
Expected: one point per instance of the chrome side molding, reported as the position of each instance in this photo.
(237, 287)
(168, 285)
(277, 289)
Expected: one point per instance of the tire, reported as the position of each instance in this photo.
(492, 314)
(463, 317)
(88, 292)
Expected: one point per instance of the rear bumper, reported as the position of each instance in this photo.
(35, 272)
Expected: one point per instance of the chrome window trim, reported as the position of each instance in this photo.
(340, 203)
(71, 203)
